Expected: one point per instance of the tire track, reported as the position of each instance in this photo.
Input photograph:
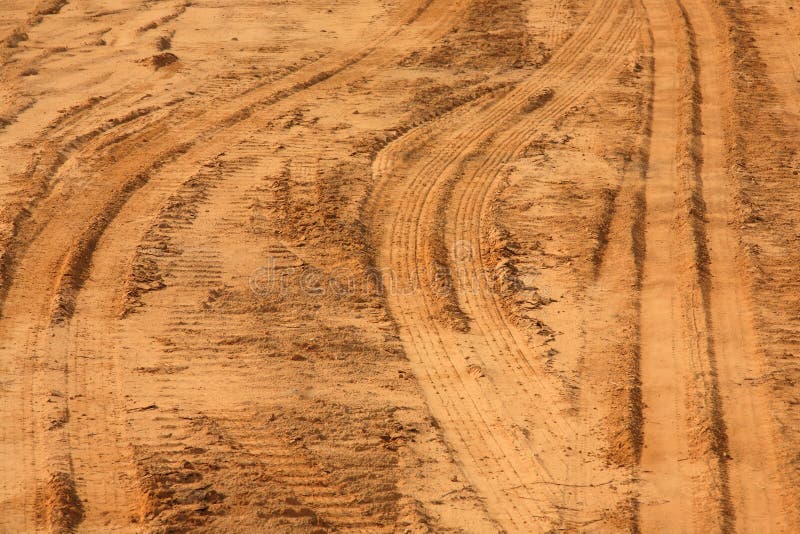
(437, 351)
(280, 97)
(662, 372)
(679, 365)
(395, 154)
(761, 163)
(41, 261)
(326, 494)
(755, 479)
(232, 120)
(472, 211)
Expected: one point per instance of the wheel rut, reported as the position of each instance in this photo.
(550, 248)
(505, 415)
(702, 429)
(41, 344)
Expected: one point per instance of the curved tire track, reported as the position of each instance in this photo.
(61, 251)
(488, 418)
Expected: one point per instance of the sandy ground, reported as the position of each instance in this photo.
(399, 266)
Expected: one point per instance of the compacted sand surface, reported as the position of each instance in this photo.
(399, 266)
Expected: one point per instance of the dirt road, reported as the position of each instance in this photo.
(408, 265)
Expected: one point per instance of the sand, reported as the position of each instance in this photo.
(399, 266)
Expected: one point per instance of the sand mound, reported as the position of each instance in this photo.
(162, 60)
